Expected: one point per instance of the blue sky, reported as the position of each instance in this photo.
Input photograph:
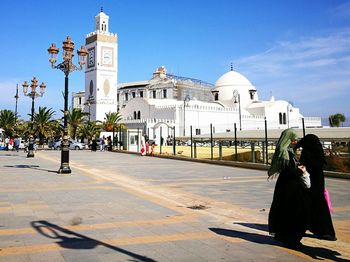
(295, 50)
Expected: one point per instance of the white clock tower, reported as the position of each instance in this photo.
(101, 69)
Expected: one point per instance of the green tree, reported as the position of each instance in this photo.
(7, 121)
(75, 120)
(44, 124)
(336, 120)
(89, 129)
(112, 121)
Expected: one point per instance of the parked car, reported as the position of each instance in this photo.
(72, 145)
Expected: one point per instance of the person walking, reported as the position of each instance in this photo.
(17, 142)
(93, 144)
(143, 145)
(313, 158)
(7, 141)
(290, 209)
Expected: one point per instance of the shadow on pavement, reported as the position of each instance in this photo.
(318, 253)
(36, 167)
(261, 227)
(72, 240)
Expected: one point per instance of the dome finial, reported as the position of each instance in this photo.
(231, 66)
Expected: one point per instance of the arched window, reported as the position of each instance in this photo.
(284, 119)
(280, 118)
(135, 115)
(138, 114)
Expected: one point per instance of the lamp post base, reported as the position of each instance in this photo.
(64, 168)
(31, 147)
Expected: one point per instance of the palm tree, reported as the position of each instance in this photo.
(89, 129)
(112, 123)
(44, 125)
(75, 120)
(112, 120)
(335, 120)
(7, 122)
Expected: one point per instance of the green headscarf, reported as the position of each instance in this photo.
(281, 156)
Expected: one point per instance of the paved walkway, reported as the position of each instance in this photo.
(122, 207)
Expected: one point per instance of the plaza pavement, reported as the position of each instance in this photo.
(123, 207)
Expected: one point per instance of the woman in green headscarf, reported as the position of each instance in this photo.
(289, 212)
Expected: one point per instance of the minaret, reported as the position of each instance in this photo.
(102, 69)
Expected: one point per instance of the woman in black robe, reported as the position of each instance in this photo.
(312, 157)
(93, 144)
(289, 212)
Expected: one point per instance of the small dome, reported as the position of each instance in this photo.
(232, 78)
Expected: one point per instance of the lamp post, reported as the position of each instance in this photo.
(16, 97)
(289, 109)
(32, 94)
(237, 99)
(66, 66)
(89, 102)
(186, 100)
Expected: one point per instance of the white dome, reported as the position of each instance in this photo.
(232, 78)
(234, 82)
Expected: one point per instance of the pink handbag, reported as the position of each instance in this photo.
(328, 200)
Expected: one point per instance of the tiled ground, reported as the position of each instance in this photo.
(121, 207)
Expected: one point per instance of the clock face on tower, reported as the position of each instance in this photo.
(107, 56)
(91, 57)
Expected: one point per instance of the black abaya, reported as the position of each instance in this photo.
(289, 212)
(320, 222)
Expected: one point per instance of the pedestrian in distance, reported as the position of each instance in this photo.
(7, 141)
(313, 158)
(17, 142)
(143, 145)
(93, 144)
(290, 209)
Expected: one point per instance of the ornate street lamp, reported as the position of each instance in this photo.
(237, 99)
(66, 66)
(32, 94)
(186, 101)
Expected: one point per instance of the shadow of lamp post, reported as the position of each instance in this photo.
(32, 94)
(66, 66)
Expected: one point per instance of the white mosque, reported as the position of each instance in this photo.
(168, 105)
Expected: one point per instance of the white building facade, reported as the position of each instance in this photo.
(233, 101)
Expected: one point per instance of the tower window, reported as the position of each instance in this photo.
(135, 116)
(141, 93)
(118, 97)
(216, 96)
(126, 96)
(164, 93)
(79, 100)
(133, 94)
(138, 114)
(154, 94)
